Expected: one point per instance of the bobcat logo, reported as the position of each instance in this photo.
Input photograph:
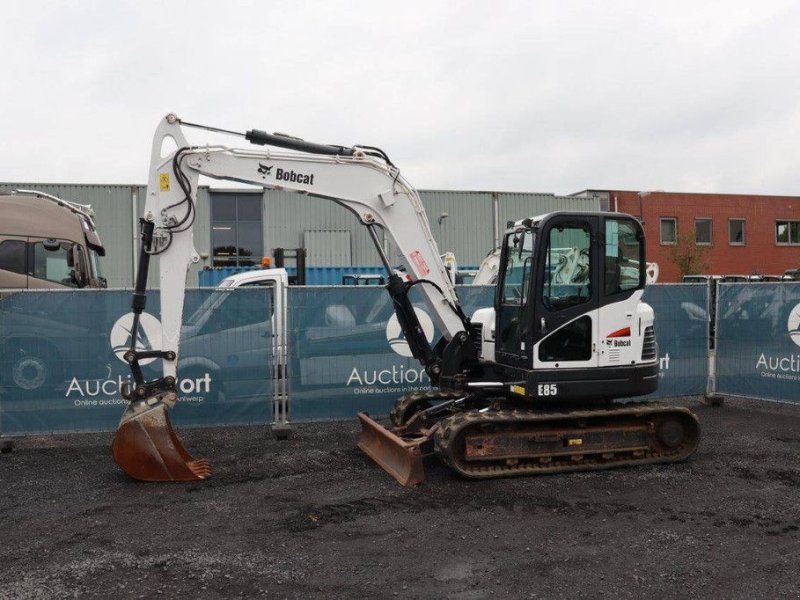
(264, 169)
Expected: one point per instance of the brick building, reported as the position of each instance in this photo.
(742, 234)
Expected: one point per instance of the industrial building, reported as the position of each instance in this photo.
(733, 233)
(236, 227)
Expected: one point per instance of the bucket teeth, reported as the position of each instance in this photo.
(147, 448)
(201, 468)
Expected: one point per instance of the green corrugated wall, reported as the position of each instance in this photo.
(467, 230)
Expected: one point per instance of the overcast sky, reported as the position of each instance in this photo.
(518, 96)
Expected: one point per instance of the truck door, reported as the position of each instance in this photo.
(565, 328)
(234, 334)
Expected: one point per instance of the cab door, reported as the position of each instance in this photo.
(624, 267)
(513, 301)
(565, 318)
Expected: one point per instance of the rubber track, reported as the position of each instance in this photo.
(449, 445)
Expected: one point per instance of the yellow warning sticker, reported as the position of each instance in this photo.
(518, 389)
(575, 442)
(163, 180)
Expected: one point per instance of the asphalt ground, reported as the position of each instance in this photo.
(312, 517)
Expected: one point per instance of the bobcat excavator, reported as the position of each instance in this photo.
(524, 387)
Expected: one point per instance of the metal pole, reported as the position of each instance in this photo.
(711, 396)
(135, 230)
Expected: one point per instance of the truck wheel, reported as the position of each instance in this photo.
(29, 372)
(34, 368)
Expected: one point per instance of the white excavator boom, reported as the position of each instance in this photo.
(367, 185)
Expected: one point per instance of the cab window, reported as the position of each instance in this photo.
(567, 277)
(235, 307)
(518, 267)
(623, 257)
(52, 261)
(12, 256)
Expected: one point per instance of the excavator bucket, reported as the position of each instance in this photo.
(146, 447)
(399, 457)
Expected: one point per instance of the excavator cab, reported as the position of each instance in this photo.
(570, 323)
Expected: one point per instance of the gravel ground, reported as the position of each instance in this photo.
(313, 518)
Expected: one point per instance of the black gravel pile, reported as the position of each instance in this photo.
(313, 518)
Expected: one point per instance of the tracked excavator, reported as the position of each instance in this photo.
(527, 386)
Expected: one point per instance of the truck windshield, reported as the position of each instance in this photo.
(231, 307)
(211, 302)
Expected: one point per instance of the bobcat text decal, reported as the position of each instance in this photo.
(284, 175)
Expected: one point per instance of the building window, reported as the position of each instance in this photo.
(236, 232)
(787, 232)
(669, 230)
(702, 232)
(736, 232)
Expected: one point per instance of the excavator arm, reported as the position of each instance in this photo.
(360, 178)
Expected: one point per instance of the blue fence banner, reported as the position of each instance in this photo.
(61, 365)
(758, 340)
(61, 358)
(682, 330)
(347, 353)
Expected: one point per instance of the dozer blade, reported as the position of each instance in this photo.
(146, 447)
(400, 458)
